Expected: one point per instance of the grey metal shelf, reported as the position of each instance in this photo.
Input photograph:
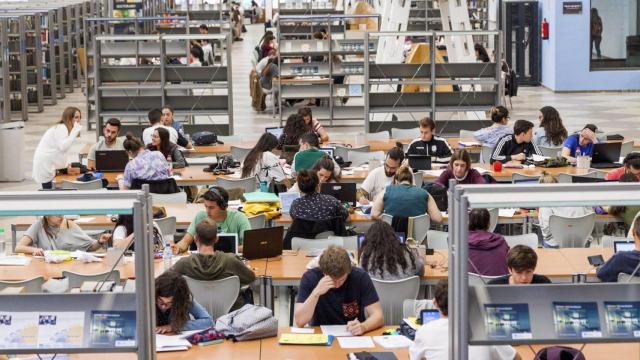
(298, 7)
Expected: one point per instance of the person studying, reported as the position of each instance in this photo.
(487, 250)
(521, 262)
(175, 306)
(155, 117)
(313, 205)
(460, 170)
(624, 261)
(516, 149)
(429, 144)
(262, 163)
(145, 164)
(160, 142)
(582, 143)
(108, 141)
(378, 178)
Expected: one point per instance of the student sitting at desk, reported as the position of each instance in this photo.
(626, 213)
(379, 178)
(490, 136)
(383, 257)
(308, 154)
(109, 141)
(169, 121)
(144, 164)
(160, 142)
(551, 132)
(314, 124)
(404, 199)
(460, 170)
(429, 144)
(623, 261)
(155, 117)
(123, 234)
(630, 165)
(487, 250)
(521, 261)
(517, 148)
(175, 306)
(216, 201)
(335, 293)
(261, 162)
(326, 169)
(53, 232)
(208, 264)
(583, 141)
(293, 131)
(312, 205)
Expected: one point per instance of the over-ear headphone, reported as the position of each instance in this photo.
(220, 200)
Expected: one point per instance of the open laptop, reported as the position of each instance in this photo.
(111, 160)
(623, 245)
(419, 162)
(400, 235)
(276, 131)
(227, 242)
(286, 198)
(587, 179)
(263, 243)
(327, 150)
(606, 155)
(344, 192)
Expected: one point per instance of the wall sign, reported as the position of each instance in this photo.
(572, 7)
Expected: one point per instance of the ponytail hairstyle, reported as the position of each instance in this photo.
(132, 144)
(498, 114)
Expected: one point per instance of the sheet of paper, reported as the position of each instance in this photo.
(469, 143)
(507, 212)
(85, 220)
(297, 330)
(14, 260)
(207, 160)
(537, 157)
(482, 171)
(392, 341)
(355, 342)
(335, 330)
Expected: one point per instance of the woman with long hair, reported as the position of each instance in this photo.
(175, 306)
(293, 130)
(326, 170)
(491, 135)
(551, 132)
(460, 170)
(268, 43)
(261, 162)
(384, 257)
(52, 151)
(481, 53)
(160, 142)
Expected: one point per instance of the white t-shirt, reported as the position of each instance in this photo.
(432, 343)
(146, 134)
(269, 168)
(376, 182)
(119, 233)
(261, 65)
(51, 153)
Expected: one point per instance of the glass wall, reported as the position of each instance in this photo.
(615, 40)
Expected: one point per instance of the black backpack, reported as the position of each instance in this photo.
(204, 138)
(439, 194)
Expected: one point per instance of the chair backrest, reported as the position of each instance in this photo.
(437, 240)
(480, 280)
(358, 158)
(405, 133)
(76, 280)
(239, 153)
(217, 296)
(248, 184)
(493, 219)
(622, 278)
(387, 218)
(607, 241)
(467, 135)
(626, 148)
(568, 178)
(228, 138)
(81, 185)
(419, 226)
(343, 151)
(382, 135)
(485, 154)
(550, 151)
(33, 285)
(348, 242)
(571, 232)
(258, 221)
(516, 177)
(392, 293)
(308, 244)
(167, 227)
(176, 198)
(530, 240)
(418, 178)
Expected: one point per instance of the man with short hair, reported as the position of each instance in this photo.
(583, 141)
(516, 148)
(624, 262)
(309, 152)
(208, 264)
(216, 201)
(109, 141)
(521, 262)
(429, 144)
(432, 339)
(335, 293)
(631, 165)
(381, 177)
(155, 116)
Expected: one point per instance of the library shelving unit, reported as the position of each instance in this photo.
(215, 16)
(31, 307)
(14, 70)
(424, 15)
(329, 71)
(307, 7)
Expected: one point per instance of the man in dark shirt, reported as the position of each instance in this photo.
(521, 262)
(429, 144)
(517, 148)
(624, 261)
(336, 294)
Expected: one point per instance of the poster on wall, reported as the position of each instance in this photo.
(127, 8)
(572, 7)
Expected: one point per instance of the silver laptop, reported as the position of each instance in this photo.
(227, 242)
(327, 150)
(286, 199)
(623, 245)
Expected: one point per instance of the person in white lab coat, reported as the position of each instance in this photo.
(51, 153)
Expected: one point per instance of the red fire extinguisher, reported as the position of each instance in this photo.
(545, 29)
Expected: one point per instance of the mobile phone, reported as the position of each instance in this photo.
(428, 315)
(596, 260)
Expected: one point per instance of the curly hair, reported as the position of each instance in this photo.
(172, 284)
(552, 124)
(294, 129)
(381, 249)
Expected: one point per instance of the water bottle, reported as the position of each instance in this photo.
(578, 152)
(167, 255)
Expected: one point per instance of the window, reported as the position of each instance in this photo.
(614, 40)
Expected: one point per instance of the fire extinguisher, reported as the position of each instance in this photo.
(545, 29)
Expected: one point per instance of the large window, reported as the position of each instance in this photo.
(615, 39)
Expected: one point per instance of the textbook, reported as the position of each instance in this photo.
(623, 318)
(576, 319)
(61, 329)
(305, 339)
(18, 330)
(507, 321)
(113, 328)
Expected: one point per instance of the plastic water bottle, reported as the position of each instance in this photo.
(167, 255)
(578, 152)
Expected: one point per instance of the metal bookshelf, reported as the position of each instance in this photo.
(215, 16)
(307, 7)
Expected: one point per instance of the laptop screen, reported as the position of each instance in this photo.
(344, 192)
(276, 131)
(286, 199)
(328, 151)
(606, 152)
(623, 246)
(227, 242)
(399, 235)
(420, 162)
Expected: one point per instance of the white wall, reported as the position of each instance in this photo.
(618, 22)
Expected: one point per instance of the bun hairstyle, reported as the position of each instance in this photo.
(403, 174)
(498, 113)
(307, 181)
(132, 143)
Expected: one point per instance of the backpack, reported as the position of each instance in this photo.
(204, 138)
(248, 323)
(559, 353)
(439, 194)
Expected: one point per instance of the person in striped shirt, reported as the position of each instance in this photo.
(516, 149)
(315, 125)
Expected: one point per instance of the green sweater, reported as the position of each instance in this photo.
(304, 160)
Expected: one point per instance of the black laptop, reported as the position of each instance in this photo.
(606, 155)
(227, 242)
(587, 179)
(344, 192)
(263, 243)
(111, 160)
(419, 162)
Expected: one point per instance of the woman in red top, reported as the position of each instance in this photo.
(268, 44)
(460, 169)
(631, 166)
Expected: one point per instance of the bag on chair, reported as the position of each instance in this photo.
(559, 353)
(204, 138)
(248, 323)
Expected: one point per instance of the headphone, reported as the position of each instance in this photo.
(220, 200)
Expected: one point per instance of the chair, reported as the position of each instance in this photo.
(274, 99)
(81, 185)
(358, 158)
(230, 138)
(571, 232)
(622, 278)
(437, 240)
(176, 198)
(258, 221)
(308, 244)
(392, 293)
(493, 222)
(550, 151)
(467, 135)
(480, 280)
(217, 296)
(343, 151)
(607, 241)
(517, 177)
(485, 154)
(239, 153)
(568, 178)
(405, 133)
(76, 280)
(626, 148)
(418, 226)
(382, 135)
(418, 178)
(33, 285)
(167, 227)
(530, 240)
(248, 184)
(348, 242)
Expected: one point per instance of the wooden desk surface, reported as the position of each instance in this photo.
(591, 351)
(357, 216)
(577, 258)
(190, 175)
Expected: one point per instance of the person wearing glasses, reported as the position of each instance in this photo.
(381, 177)
(490, 136)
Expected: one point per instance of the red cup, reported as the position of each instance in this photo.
(497, 166)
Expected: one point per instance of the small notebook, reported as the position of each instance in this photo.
(305, 339)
